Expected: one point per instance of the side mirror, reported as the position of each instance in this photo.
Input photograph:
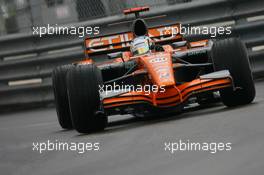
(115, 55)
(176, 45)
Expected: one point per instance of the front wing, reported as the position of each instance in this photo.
(173, 95)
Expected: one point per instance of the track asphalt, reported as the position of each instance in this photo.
(136, 147)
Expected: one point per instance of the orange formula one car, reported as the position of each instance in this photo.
(151, 71)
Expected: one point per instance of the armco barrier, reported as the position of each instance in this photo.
(26, 61)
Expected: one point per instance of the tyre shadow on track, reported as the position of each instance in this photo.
(136, 122)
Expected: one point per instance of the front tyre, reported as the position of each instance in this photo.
(60, 94)
(83, 91)
(231, 54)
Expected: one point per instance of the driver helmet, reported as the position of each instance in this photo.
(141, 45)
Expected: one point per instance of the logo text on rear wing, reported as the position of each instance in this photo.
(121, 41)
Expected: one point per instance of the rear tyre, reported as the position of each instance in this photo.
(83, 91)
(61, 98)
(231, 54)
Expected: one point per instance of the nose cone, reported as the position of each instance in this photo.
(160, 68)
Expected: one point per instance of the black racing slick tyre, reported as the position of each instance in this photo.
(83, 91)
(231, 54)
(60, 94)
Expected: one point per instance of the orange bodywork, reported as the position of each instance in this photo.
(158, 68)
(160, 71)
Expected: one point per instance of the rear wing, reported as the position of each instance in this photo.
(121, 41)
